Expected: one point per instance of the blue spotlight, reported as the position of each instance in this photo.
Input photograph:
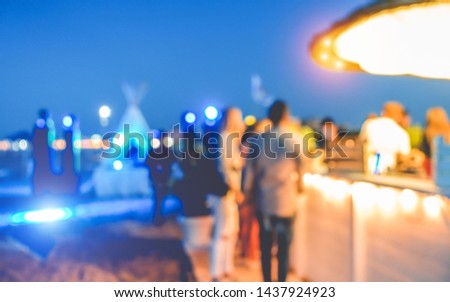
(41, 216)
(190, 117)
(67, 121)
(211, 112)
(40, 123)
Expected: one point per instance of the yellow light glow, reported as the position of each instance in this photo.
(316, 181)
(307, 179)
(364, 195)
(387, 200)
(338, 190)
(339, 64)
(408, 200)
(432, 206)
(250, 120)
(324, 57)
(325, 184)
(407, 40)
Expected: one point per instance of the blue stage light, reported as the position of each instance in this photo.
(190, 118)
(40, 123)
(41, 216)
(211, 112)
(67, 121)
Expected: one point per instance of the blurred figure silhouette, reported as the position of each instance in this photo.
(68, 180)
(42, 137)
(200, 178)
(249, 227)
(225, 209)
(159, 162)
(45, 179)
(274, 179)
(437, 124)
(385, 141)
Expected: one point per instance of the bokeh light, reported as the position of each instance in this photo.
(211, 112)
(104, 112)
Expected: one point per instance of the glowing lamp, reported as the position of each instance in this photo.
(250, 120)
(117, 165)
(408, 200)
(190, 118)
(40, 123)
(5, 145)
(168, 141)
(59, 144)
(432, 206)
(307, 179)
(364, 195)
(387, 200)
(211, 113)
(67, 121)
(15, 146)
(104, 112)
(23, 145)
(389, 37)
(41, 216)
(339, 190)
(155, 143)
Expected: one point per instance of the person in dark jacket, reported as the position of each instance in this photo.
(200, 178)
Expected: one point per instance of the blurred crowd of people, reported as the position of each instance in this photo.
(250, 202)
(391, 143)
(239, 196)
(248, 199)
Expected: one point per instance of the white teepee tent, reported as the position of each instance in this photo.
(125, 179)
(133, 117)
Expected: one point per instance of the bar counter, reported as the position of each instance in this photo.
(356, 227)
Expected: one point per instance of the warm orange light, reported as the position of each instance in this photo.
(408, 200)
(401, 41)
(339, 190)
(307, 179)
(339, 64)
(387, 200)
(59, 144)
(432, 206)
(390, 38)
(324, 57)
(5, 145)
(364, 195)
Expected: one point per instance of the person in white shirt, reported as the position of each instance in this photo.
(384, 139)
(225, 209)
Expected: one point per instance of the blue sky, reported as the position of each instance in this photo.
(72, 57)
